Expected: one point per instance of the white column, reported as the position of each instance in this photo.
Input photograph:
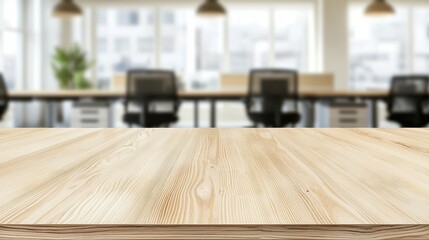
(335, 41)
(66, 29)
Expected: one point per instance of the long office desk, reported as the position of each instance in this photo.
(214, 184)
(309, 96)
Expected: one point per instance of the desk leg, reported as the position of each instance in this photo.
(196, 114)
(311, 109)
(111, 120)
(212, 113)
(374, 113)
(51, 114)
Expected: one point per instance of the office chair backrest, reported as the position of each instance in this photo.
(408, 94)
(156, 88)
(4, 99)
(272, 90)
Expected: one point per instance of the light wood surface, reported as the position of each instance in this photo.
(55, 94)
(214, 183)
(307, 81)
(213, 232)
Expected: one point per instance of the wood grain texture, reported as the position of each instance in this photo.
(345, 178)
(307, 81)
(232, 232)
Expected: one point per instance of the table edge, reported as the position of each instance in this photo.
(212, 231)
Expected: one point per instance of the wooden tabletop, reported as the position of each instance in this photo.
(221, 93)
(214, 183)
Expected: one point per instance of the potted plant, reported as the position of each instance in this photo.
(69, 66)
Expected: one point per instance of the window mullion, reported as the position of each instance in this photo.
(226, 53)
(92, 39)
(272, 61)
(158, 37)
(410, 48)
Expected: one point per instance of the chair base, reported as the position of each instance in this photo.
(410, 120)
(269, 120)
(154, 120)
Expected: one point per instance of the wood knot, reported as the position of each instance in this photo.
(204, 191)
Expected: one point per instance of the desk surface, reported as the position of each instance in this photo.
(255, 182)
(187, 94)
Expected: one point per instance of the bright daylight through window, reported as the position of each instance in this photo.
(380, 48)
(200, 49)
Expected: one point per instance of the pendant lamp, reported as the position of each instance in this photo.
(67, 9)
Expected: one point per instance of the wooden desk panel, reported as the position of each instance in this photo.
(214, 183)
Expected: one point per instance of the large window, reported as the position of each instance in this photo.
(200, 49)
(11, 39)
(128, 18)
(209, 43)
(292, 40)
(177, 40)
(125, 39)
(192, 46)
(264, 37)
(249, 39)
(382, 47)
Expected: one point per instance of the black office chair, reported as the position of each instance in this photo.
(155, 93)
(408, 102)
(4, 99)
(273, 97)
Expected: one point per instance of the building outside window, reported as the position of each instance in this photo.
(176, 40)
(102, 45)
(209, 51)
(249, 39)
(145, 45)
(383, 47)
(102, 18)
(122, 45)
(128, 18)
(133, 42)
(192, 46)
(292, 39)
(209, 44)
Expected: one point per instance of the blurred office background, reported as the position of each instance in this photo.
(326, 37)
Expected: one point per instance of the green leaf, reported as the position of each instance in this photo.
(69, 66)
